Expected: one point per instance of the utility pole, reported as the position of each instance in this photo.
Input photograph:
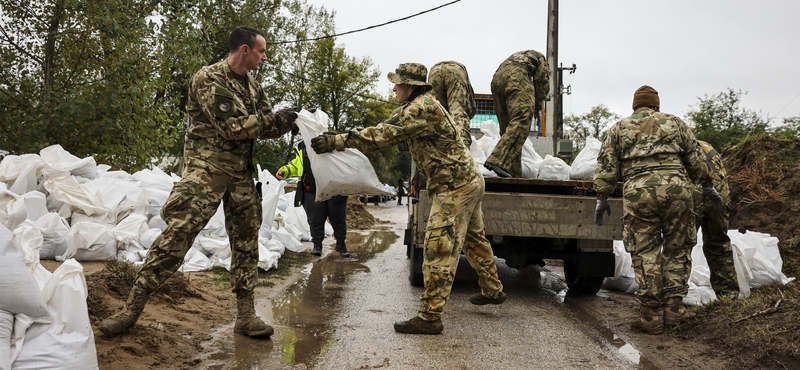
(554, 109)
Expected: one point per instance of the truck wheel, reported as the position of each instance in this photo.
(415, 267)
(581, 284)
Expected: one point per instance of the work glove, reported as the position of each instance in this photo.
(279, 174)
(602, 206)
(716, 200)
(327, 142)
(287, 116)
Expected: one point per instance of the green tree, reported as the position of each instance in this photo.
(721, 121)
(81, 74)
(789, 130)
(589, 125)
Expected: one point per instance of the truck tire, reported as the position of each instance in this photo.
(415, 267)
(589, 285)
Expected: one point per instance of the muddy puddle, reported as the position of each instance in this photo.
(557, 288)
(301, 315)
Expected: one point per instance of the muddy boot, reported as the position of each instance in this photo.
(419, 326)
(124, 319)
(247, 323)
(342, 249)
(649, 322)
(480, 299)
(317, 249)
(674, 313)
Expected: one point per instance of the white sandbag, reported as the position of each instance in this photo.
(741, 256)
(265, 231)
(155, 199)
(273, 245)
(195, 260)
(701, 273)
(272, 190)
(67, 342)
(19, 292)
(216, 225)
(156, 222)
(154, 179)
(766, 263)
(288, 240)
(6, 328)
(35, 204)
(624, 278)
(90, 241)
(296, 216)
(328, 228)
(531, 161)
(266, 258)
(68, 190)
(348, 172)
(585, 163)
(699, 295)
(211, 244)
(12, 209)
(131, 251)
(130, 228)
(59, 159)
(553, 168)
(148, 237)
(22, 172)
(221, 259)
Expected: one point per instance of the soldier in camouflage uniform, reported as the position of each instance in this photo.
(654, 151)
(454, 183)
(716, 243)
(519, 86)
(451, 87)
(227, 110)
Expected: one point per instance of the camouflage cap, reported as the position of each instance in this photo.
(410, 74)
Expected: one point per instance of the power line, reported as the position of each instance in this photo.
(332, 87)
(366, 28)
(787, 104)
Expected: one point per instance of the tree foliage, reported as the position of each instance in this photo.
(790, 129)
(721, 121)
(589, 125)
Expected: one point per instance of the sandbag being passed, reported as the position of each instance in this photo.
(337, 173)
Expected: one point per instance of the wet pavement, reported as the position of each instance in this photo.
(339, 315)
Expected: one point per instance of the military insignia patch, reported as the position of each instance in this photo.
(225, 105)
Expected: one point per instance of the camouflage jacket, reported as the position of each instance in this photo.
(535, 66)
(719, 173)
(651, 149)
(225, 118)
(433, 139)
(452, 89)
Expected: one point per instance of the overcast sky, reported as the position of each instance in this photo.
(684, 49)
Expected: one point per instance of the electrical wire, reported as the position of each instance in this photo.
(329, 86)
(366, 28)
(787, 104)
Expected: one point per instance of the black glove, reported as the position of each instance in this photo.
(327, 142)
(716, 200)
(312, 110)
(602, 206)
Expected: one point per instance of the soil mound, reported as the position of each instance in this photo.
(358, 218)
(764, 177)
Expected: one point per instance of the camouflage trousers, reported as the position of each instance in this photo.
(717, 245)
(515, 104)
(191, 204)
(455, 223)
(659, 217)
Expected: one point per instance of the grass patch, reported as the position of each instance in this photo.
(222, 278)
(286, 264)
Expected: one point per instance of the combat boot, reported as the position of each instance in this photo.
(674, 313)
(124, 319)
(419, 326)
(317, 251)
(247, 323)
(649, 322)
(480, 299)
(342, 249)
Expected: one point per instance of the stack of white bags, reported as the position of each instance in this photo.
(56, 206)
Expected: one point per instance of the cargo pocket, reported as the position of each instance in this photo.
(691, 230)
(179, 199)
(439, 235)
(628, 237)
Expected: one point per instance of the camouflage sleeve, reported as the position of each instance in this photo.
(541, 79)
(405, 123)
(217, 103)
(607, 173)
(273, 127)
(459, 96)
(694, 158)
